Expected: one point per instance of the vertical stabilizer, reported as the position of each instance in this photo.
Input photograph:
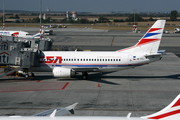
(171, 112)
(149, 43)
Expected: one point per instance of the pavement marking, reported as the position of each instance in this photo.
(33, 86)
(112, 41)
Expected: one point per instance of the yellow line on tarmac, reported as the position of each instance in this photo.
(112, 41)
(102, 32)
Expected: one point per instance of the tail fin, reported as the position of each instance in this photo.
(37, 35)
(149, 43)
(171, 112)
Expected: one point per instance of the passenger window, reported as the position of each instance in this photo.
(83, 59)
(116, 59)
(74, 59)
(97, 59)
(94, 59)
(119, 59)
(86, 59)
(89, 59)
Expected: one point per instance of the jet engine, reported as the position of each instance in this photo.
(63, 72)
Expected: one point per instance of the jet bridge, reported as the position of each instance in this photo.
(21, 54)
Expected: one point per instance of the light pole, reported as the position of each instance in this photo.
(40, 16)
(3, 16)
(134, 19)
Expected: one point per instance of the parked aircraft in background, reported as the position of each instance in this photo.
(171, 112)
(22, 34)
(177, 30)
(68, 63)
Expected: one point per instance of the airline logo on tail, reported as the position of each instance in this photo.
(150, 36)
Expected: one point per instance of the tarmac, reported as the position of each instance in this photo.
(140, 91)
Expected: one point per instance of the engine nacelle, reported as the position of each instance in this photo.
(63, 72)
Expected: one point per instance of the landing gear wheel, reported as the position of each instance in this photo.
(32, 74)
(84, 75)
(26, 76)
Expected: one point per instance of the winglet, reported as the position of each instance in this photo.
(53, 114)
(71, 108)
(171, 112)
(129, 115)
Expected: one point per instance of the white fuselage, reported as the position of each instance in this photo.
(22, 34)
(104, 61)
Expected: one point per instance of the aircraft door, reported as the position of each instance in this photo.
(130, 59)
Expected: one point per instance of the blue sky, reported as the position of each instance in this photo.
(94, 5)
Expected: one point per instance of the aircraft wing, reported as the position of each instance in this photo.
(58, 111)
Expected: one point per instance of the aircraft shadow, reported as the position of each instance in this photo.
(176, 77)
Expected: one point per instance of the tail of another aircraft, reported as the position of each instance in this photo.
(149, 43)
(171, 112)
(37, 35)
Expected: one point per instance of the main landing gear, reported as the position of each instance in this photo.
(84, 75)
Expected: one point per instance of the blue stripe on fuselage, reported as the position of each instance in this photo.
(97, 65)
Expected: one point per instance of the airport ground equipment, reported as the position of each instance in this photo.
(21, 54)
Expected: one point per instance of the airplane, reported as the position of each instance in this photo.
(177, 30)
(22, 34)
(171, 112)
(69, 63)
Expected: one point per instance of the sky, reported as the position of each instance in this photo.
(93, 5)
